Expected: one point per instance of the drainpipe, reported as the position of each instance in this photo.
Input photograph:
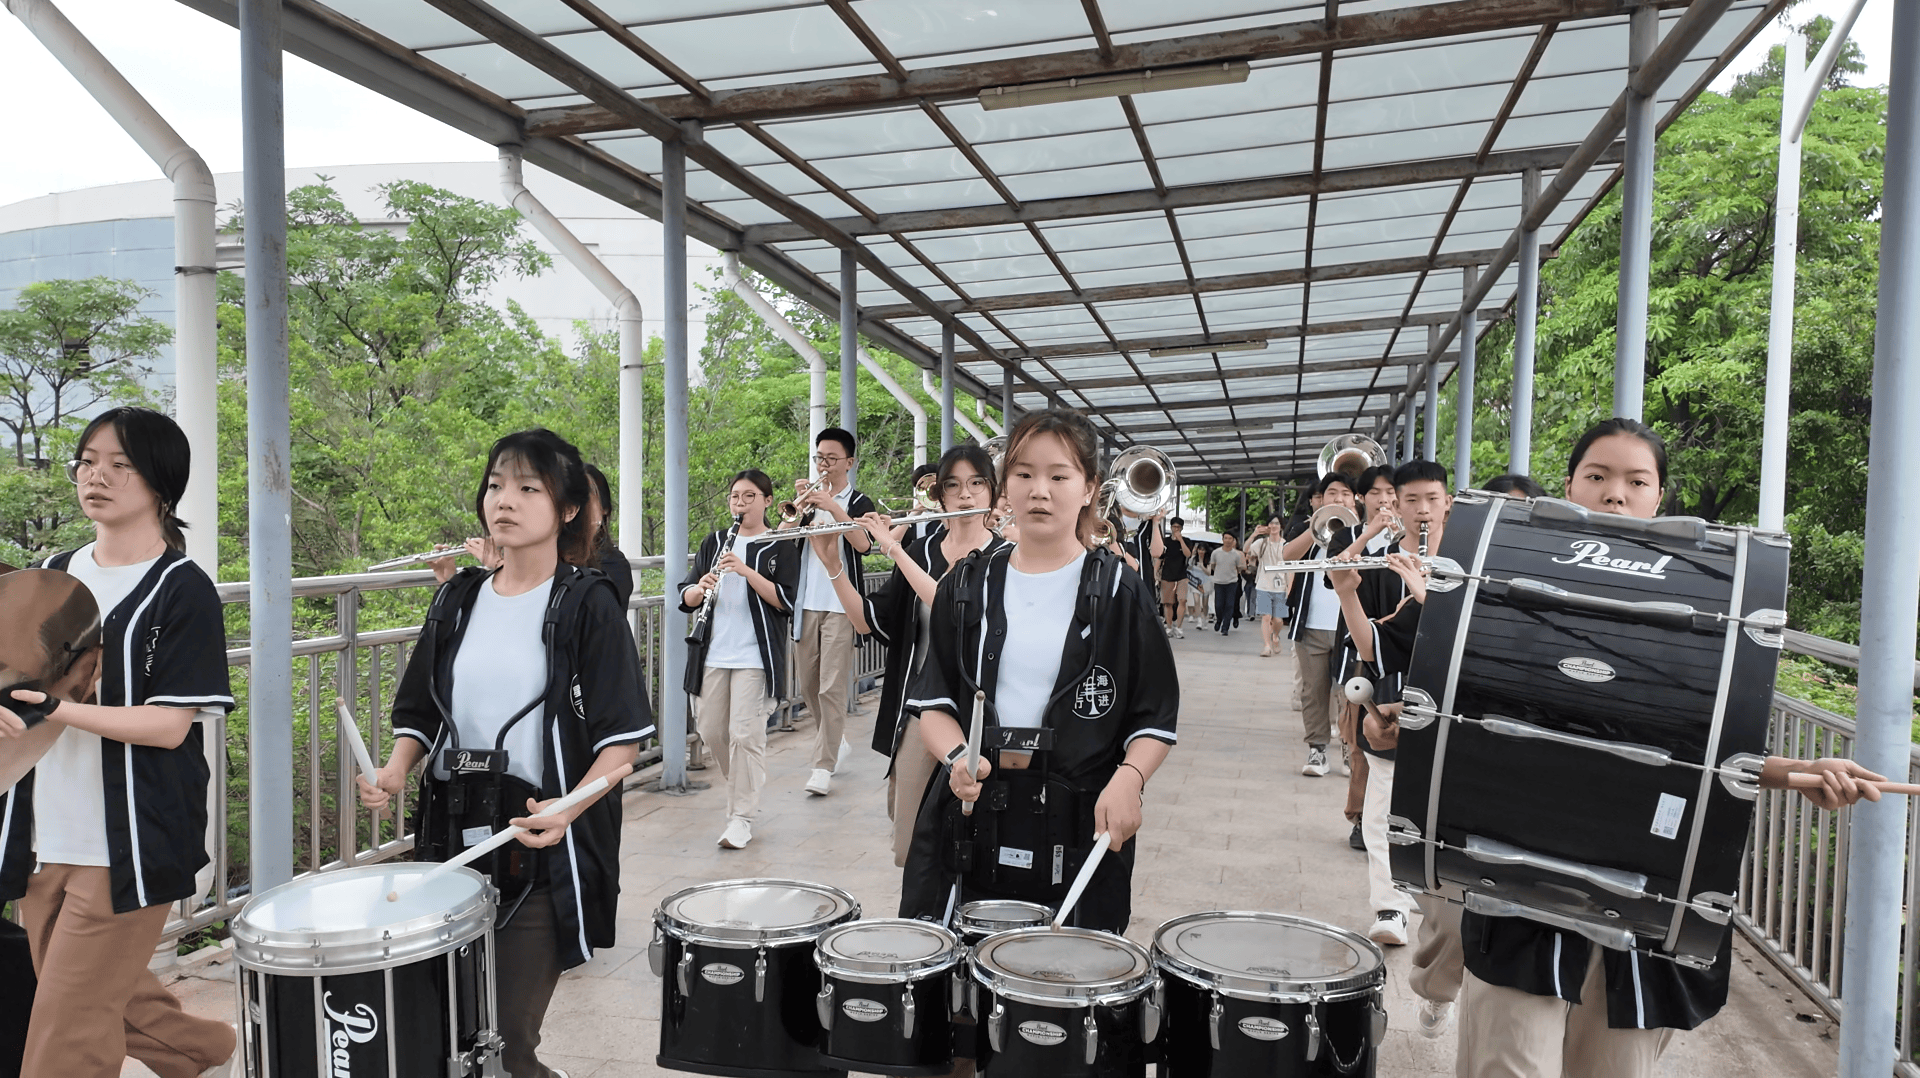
(632, 493)
(195, 378)
(980, 409)
(960, 417)
(775, 321)
(907, 401)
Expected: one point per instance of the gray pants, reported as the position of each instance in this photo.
(528, 966)
(1310, 658)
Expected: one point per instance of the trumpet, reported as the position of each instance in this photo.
(790, 510)
(837, 528)
(416, 559)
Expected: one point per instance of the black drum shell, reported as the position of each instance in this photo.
(1186, 1039)
(1120, 1052)
(1577, 803)
(880, 1047)
(719, 1028)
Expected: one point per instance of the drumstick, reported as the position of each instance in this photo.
(357, 744)
(1360, 691)
(1080, 882)
(1803, 780)
(973, 744)
(506, 834)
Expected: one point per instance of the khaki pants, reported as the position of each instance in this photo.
(911, 769)
(529, 965)
(823, 659)
(1438, 959)
(1357, 780)
(1507, 1033)
(97, 1002)
(1310, 657)
(731, 714)
(1381, 892)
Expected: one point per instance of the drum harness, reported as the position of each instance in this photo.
(478, 794)
(1035, 831)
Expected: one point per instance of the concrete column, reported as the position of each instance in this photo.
(1636, 223)
(1786, 252)
(269, 491)
(1463, 383)
(673, 623)
(1526, 321)
(1432, 445)
(1876, 855)
(849, 343)
(946, 388)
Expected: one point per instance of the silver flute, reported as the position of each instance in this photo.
(837, 527)
(416, 559)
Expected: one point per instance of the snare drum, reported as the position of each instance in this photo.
(1071, 1003)
(1268, 994)
(738, 978)
(889, 995)
(975, 921)
(334, 979)
(1571, 703)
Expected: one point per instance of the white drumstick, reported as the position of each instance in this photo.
(1360, 691)
(973, 744)
(357, 744)
(506, 834)
(1080, 882)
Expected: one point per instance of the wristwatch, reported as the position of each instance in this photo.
(953, 757)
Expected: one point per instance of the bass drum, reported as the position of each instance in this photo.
(335, 979)
(1267, 994)
(1576, 700)
(738, 981)
(888, 997)
(1065, 1003)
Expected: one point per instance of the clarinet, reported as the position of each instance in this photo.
(700, 629)
(1423, 540)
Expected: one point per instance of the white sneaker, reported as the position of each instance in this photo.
(739, 832)
(820, 782)
(1265, 651)
(1390, 928)
(1179, 632)
(1434, 1016)
(1316, 761)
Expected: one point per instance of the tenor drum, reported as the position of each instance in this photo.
(1066, 1003)
(334, 979)
(888, 996)
(738, 979)
(1268, 994)
(975, 921)
(1580, 703)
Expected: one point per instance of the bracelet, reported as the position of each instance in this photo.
(1137, 771)
(841, 573)
(953, 756)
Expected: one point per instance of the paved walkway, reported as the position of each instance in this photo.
(1230, 824)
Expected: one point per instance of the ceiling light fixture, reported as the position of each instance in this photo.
(1131, 82)
(1207, 349)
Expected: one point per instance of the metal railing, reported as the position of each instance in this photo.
(362, 668)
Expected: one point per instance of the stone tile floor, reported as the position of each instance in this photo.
(1230, 824)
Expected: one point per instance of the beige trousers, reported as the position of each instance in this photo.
(1315, 683)
(731, 715)
(97, 1002)
(1507, 1033)
(822, 660)
(911, 769)
(1438, 959)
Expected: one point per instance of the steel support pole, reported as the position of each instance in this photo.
(673, 623)
(1786, 254)
(1463, 385)
(1243, 516)
(1876, 854)
(1636, 221)
(269, 489)
(849, 343)
(1526, 323)
(1006, 397)
(1432, 445)
(946, 388)
(1409, 426)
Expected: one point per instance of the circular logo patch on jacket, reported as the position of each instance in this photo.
(1094, 698)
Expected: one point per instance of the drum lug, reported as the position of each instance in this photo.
(1151, 1009)
(1093, 1037)
(1213, 1022)
(1715, 906)
(1444, 574)
(1420, 709)
(760, 977)
(1313, 1036)
(973, 998)
(995, 1019)
(1402, 831)
(956, 993)
(686, 972)
(1740, 775)
(824, 1004)
(1379, 1016)
(657, 953)
(906, 1011)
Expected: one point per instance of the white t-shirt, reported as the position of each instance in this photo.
(734, 645)
(1323, 603)
(816, 589)
(1039, 610)
(69, 802)
(500, 666)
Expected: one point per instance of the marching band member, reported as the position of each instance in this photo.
(1379, 594)
(824, 637)
(1081, 697)
(520, 690)
(1313, 615)
(740, 673)
(107, 832)
(604, 555)
(897, 616)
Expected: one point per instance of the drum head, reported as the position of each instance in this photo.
(755, 911)
(1063, 966)
(1264, 955)
(896, 949)
(341, 921)
(988, 916)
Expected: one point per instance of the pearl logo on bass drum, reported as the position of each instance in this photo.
(1580, 668)
(1044, 1034)
(1262, 1028)
(864, 1010)
(358, 1025)
(1594, 554)
(721, 973)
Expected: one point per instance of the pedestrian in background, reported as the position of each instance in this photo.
(1225, 564)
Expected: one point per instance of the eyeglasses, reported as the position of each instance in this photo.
(974, 483)
(825, 461)
(115, 474)
(744, 495)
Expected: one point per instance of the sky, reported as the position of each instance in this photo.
(187, 65)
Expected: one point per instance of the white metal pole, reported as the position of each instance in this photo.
(673, 623)
(946, 388)
(1799, 106)
(907, 400)
(1463, 384)
(1526, 321)
(1636, 222)
(1786, 253)
(777, 322)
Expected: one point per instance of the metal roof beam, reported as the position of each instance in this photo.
(1237, 374)
(1434, 170)
(1311, 423)
(1244, 402)
(959, 81)
(1198, 342)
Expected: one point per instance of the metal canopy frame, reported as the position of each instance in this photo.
(1325, 206)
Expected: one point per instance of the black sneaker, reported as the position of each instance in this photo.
(1357, 840)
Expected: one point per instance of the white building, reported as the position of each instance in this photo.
(126, 231)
